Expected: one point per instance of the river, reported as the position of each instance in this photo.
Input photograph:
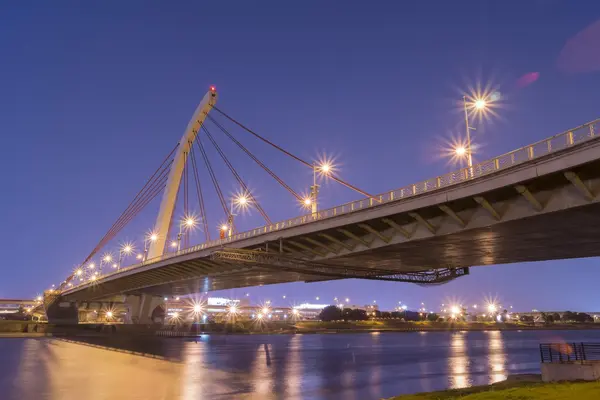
(329, 366)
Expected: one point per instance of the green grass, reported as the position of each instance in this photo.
(516, 391)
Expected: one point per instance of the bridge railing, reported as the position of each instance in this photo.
(531, 152)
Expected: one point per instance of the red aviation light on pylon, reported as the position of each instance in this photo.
(213, 88)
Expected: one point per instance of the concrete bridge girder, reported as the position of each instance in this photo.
(515, 208)
(456, 213)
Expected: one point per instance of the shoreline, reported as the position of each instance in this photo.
(35, 330)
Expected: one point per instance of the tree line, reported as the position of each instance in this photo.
(335, 313)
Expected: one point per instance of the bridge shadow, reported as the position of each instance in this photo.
(143, 345)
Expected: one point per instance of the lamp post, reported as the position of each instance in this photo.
(479, 105)
(153, 237)
(314, 191)
(125, 250)
(184, 226)
(105, 260)
(312, 201)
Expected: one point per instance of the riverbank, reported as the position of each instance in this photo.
(515, 390)
(427, 326)
(33, 329)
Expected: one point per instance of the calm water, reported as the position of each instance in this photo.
(330, 366)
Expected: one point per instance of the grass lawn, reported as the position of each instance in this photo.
(516, 391)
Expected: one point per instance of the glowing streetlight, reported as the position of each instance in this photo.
(149, 239)
(109, 314)
(139, 256)
(265, 310)
(197, 308)
(455, 310)
(190, 222)
(460, 151)
(187, 224)
(78, 272)
(492, 308)
(175, 244)
(92, 266)
(125, 250)
(480, 104)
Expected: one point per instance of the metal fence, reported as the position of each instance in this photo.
(542, 148)
(569, 352)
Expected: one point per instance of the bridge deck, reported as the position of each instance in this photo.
(540, 209)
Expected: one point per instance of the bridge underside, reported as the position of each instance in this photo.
(551, 237)
(544, 210)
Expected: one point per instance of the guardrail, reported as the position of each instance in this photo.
(569, 352)
(534, 151)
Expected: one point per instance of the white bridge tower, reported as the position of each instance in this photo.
(167, 204)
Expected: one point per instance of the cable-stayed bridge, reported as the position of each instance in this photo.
(535, 203)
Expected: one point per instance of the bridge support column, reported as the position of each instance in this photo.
(141, 308)
(61, 312)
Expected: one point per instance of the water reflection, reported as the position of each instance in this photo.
(260, 374)
(497, 357)
(458, 362)
(294, 370)
(320, 367)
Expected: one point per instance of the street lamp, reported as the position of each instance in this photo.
(150, 238)
(107, 258)
(186, 224)
(479, 104)
(126, 250)
(324, 168)
(225, 228)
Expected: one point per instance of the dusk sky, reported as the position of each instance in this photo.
(93, 97)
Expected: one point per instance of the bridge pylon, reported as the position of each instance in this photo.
(60, 311)
(167, 205)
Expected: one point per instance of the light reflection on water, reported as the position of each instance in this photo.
(340, 366)
(497, 358)
(458, 362)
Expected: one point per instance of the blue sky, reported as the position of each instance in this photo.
(93, 97)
